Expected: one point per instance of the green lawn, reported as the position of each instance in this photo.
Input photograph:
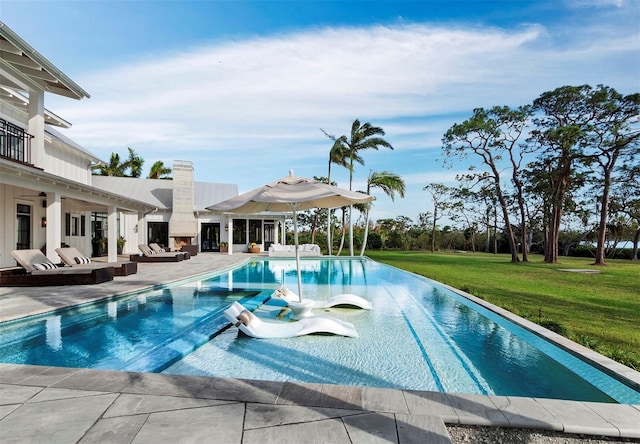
(600, 311)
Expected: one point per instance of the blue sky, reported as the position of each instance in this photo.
(243, 88)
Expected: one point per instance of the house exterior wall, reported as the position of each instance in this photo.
(62, 160)
(10, 197)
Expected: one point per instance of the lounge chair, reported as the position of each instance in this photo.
(148, 255)
(253, 326)
(339, 300)
(73, 258)
(37, 271)
(158, 249)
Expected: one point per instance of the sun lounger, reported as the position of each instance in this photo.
(37, 270)
(253, 326)
(340, 300)
(148, 255)
(158, 249)
(73, 258)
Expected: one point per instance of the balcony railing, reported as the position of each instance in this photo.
(15, 143)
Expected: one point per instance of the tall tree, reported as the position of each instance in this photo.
(491, 135)
(134, 163)
(439, 195)
(626, 200)
(338, 156)
(113, 168)
(362, 137)
(159, 171)
(560, 132)
(390, 184)
(612, 137)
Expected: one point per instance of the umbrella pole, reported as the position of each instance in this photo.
(295, 241)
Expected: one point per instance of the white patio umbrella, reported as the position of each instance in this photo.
(291, 193)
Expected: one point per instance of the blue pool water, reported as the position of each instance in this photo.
(418, 335)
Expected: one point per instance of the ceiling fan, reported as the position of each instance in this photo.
(40, 194)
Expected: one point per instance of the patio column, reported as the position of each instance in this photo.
(35, 109)
(141, 230)
(112, 237)
(55, 223)
(230, 237)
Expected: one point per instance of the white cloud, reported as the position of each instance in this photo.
(257, 105)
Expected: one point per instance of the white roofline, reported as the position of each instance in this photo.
(38, 58)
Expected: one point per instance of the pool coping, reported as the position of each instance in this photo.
(613, 420)
(38, 386)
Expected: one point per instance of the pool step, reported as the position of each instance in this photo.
(163, 355)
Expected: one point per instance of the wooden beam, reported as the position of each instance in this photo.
(17, 59)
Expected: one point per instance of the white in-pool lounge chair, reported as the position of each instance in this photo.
(339, 300)
(253, 326)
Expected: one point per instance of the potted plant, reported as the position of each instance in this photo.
(121, 241)
(99, 245)
(224, 247)
(253, 248)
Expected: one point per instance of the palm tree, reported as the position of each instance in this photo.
(390, 184)
(337, 155)
(113, 168)
(159, 171)
(134, 163)
(363, 137)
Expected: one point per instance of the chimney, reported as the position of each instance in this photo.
(183, 226)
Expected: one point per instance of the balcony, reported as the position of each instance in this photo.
(15, 143)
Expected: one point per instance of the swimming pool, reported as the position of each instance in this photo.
(419, 335)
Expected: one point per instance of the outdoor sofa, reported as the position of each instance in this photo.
(279, 250)
(37, 271)
(73, 258)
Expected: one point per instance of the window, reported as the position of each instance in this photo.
(98, 225)
(255, 231)
(75, 225)
(72, 225)
(158, 232)
(23, 227)
(239, 231)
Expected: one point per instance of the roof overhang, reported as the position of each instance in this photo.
(84, 196)
(19, 101)
(24, 68)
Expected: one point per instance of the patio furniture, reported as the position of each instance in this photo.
(253, 326)
(73, 258)
(339, 300)
(279, 250)
(158, 249)
(37, 271)
(148, 255)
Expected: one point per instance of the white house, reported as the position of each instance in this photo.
(179, 216)
(48, 196)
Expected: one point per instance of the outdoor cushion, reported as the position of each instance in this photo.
(82, 260)
(44, 266)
